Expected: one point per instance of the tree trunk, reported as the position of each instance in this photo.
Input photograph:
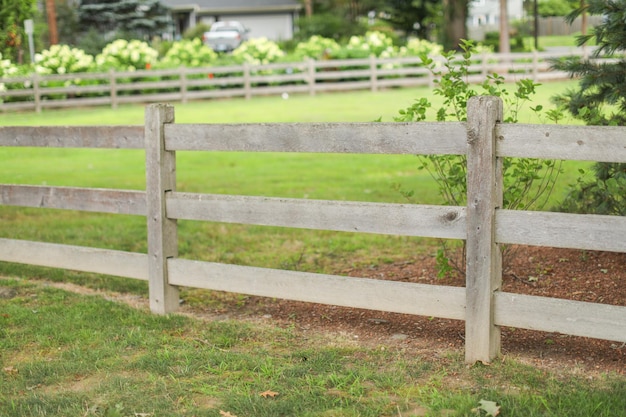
(505, 41)
(52, 22)
(455, 17)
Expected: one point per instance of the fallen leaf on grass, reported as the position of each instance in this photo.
(490, 407)
(11, 370)
(268, 393)
(226, 414)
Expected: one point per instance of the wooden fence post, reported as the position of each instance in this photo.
(183, 84)
(373, 73)
(484, 261)
(311, 74)
(535, 66)
(247, 85)
(113, 86)
(37, 92)
(162, 232)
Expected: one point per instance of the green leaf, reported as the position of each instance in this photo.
(489, 407)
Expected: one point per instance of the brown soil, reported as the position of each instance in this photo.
(598, 277)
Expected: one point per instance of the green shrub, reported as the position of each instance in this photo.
(7, 69)
(196, 32)
(258, 51)
(327, 25)
(527, 182)
(189, 53)
(126, 55)
(317, 47)
(602, 194)
(419, 47)
(372, 43)
(62, 59)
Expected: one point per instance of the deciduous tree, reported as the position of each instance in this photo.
(12, 16)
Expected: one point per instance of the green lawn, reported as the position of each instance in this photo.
(63, 354)
(357, 106)
(343, 177)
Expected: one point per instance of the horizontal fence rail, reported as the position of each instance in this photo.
(113, 88)
(482, 223)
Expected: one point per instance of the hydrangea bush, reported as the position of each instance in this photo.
(126, 55)
(189, 53)
(372, 43)
(317, 47)
(258, 51)
(419, 47)
(7, 69)
(62, 59)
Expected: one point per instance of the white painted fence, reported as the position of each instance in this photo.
(485, 226)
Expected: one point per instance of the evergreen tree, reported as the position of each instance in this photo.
(600, 99)
(136, 18)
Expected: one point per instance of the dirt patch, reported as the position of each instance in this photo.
(550, 272)
(598, 277)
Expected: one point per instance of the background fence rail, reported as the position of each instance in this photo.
(114, 88)
(482, 223)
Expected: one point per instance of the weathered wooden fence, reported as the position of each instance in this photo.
(483, 224)
(309, 77)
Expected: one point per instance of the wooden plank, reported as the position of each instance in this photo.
(577, 318)
(125, 137)
(75, 102)
(77, 258)
(346, 216)
(342, 85)
(584, 143)
(365, 138)
(162, 231)
(70, 198)
(393, 296)
(483, 272)
(561, 230)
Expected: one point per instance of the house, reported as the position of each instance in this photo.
(273, 19)
(484, 16)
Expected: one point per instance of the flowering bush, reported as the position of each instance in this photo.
(189, 53)
(62, 59)
(258, 51)
(317, 47)
(373, 43)
(7, 69)
(418, 47)
(127, 56)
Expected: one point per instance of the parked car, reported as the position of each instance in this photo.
(225, 36)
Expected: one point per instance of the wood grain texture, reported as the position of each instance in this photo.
(72, 198)
(76, 258)
(123, 137)
(358, 138)
(393, 296)
(575, 318)
(162, 231)
(395, 219)
(584, 143)
(483, 270)
(561, 230)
